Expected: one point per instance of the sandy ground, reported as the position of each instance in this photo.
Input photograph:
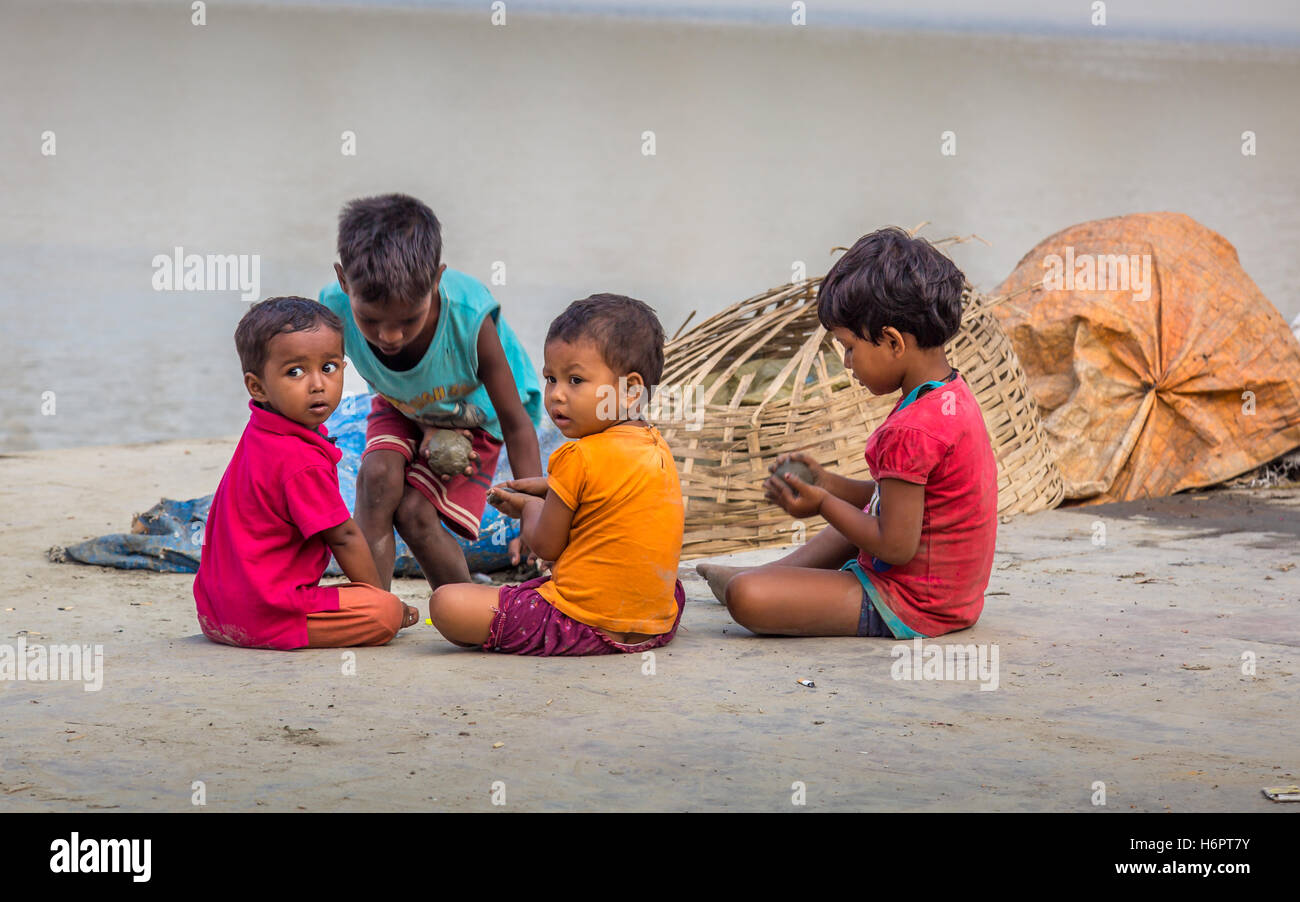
(1119, 662)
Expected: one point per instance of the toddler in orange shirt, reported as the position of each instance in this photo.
(608, 512)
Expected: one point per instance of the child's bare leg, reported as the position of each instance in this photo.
(381, 483)
(825, 551)
(434, 548)
(828, 550)
(795, 601)
(463, 612)
(717, 576)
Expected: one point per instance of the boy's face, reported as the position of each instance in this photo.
(582, 392)
(391, 327)
(303, 376)
(877, 366)
(390, 324)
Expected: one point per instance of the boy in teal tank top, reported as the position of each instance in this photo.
(431, 344)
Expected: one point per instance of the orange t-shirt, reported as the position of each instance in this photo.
(619, 569)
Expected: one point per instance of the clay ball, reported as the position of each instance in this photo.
(448, 453)
(800, 470)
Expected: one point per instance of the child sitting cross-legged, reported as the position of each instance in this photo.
(918, 539)
(608, 514)
(277, 513)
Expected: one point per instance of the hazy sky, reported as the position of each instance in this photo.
(1276, 21)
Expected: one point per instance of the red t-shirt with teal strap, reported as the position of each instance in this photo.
(940, 441)
(263, 555)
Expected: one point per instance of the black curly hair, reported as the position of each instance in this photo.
(267, 319)
(889, 278)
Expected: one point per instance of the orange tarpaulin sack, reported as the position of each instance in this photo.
(1156, 362)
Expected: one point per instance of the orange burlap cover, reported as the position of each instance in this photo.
(1195, 384)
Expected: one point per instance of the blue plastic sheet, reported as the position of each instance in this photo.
(169, 536)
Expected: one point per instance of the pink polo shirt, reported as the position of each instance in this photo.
(939, 441)
(262, 553)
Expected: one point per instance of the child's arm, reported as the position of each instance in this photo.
(516, 428)
(893, 536)
(533, 485)
(544, 524)
(855, 491)
(352, 553)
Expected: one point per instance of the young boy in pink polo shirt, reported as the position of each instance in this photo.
(277, 513)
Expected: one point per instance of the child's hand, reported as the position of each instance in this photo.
(532, 485)
(819, 472)
(520, 553)
(794, 496)
(423, 451)
(509, 503)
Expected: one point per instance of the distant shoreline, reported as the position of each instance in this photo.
(1069, 21)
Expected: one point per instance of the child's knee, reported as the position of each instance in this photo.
(439, 601)
(381, 480)
(444, 602)
(740, 594)
(446, 610)
(416, 515)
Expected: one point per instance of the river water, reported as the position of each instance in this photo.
(771, 145)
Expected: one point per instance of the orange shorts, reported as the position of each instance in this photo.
(366, 616)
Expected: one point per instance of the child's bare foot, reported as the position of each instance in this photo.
(412, 616)
(717, 576)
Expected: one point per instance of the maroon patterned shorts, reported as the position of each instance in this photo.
(528, 624)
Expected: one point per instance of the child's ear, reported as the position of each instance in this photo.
(893, 339)
(638, 396)
(338, 273)
(254, 386)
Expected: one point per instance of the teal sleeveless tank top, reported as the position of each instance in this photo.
(447, 376)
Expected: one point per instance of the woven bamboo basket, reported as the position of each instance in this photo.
(764, 377)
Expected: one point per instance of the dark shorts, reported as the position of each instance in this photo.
(870, 623)
(527, 624)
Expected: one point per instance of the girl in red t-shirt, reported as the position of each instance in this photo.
(909, 552)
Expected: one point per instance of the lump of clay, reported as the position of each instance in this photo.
(800, 470)
(448, 452)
